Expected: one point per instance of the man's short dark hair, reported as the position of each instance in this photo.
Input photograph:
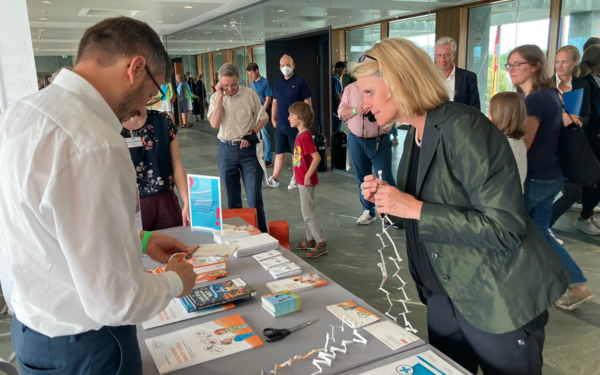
(590, 42)
(340, 64)
(252, 66)
(120, 37)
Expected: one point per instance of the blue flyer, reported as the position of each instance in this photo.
(205, 202)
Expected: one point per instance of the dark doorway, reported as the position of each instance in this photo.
(312, 57)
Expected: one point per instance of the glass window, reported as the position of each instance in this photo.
(258, 54)
(239, 59)
(420, 30)
(206, 71)
(360, 40)
(493, 31)
(217, 61)
(580, 20)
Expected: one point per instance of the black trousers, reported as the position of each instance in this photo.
(514, 353)
(590, 197)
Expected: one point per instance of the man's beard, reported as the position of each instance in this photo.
(126, 109)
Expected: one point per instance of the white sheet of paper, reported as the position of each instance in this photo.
(391, 334)
(175, 312)
(134, 142)
(425, 363)
(224, 250)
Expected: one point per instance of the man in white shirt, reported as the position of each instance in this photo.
(462, 84)
(67, 211)
(237, 113)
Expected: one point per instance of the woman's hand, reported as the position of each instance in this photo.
(390, 200)
(369, 188)
(185, 215)
(567, 119)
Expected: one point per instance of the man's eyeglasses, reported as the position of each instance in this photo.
(160, 95)
(364, 57)
(234, 86)
(515, 65)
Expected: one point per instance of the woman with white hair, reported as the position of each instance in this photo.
(485, 272)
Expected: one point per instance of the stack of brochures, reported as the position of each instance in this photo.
(207, 267)
(297, 283)
(274, 262)
(254, 244)
(266, 255)
(217, 294)
(285, 270)
(281, 303)
(230, 232)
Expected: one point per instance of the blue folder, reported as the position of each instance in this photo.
(573, 101)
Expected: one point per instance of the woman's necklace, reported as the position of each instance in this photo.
(419, 143)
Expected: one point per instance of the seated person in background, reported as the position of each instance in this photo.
(152, 140)
(508, 112)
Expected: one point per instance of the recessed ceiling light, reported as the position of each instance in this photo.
(46, 2)
(42, 19)
(280, 11)
(188, 7)
(159, 21)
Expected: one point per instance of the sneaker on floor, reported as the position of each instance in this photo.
(587, 226)
(272, 182)
(294, 185)
(268, 164)
(570, 301)
(395, 141)
(577, 207)
(595, 222)
(366, 218)
(560, 242)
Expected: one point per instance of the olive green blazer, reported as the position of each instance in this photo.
(497, 267)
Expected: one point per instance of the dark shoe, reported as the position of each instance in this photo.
(305, 245)
(316, 252)
(268, 164)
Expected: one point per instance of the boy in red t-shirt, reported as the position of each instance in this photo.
(305, 161)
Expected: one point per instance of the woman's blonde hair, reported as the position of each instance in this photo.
(508, 112)
(591, 57)
(575, 55)
(536, 59)
(414, 81)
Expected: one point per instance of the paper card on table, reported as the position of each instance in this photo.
(426, 363)
(266, 255)
(224, 250)
(573, 101)
(391, 334)
(273, 262)
(205, 202)
(356, 316)
(297, 283)
(175, 312)
(202, 343)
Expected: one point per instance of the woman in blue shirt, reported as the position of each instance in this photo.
(543, 125)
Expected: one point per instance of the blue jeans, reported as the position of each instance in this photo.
(264, 134)
(394, 131)
(235, 163)
(539, 196)
(110, 350)
(366, 156)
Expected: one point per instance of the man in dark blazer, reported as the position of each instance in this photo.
(462, 84)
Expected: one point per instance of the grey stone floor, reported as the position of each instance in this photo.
(572, 339)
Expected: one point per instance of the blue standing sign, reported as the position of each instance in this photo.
(205, 202)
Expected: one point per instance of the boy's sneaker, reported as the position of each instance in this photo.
(366, 218)
(272, 182)
(293, 184)
(268, 164)
(587, 226)
(570, 301)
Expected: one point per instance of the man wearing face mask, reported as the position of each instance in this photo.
(67, 210)
(289, 89)
(237, 113)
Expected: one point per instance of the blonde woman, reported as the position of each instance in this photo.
(485, 272)
(507, 112)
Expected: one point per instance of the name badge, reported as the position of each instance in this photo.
(134, 142)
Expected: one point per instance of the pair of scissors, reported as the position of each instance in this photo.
(276, 334)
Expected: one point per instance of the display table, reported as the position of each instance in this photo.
(402, 355)
(298, 343)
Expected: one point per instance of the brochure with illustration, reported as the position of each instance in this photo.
(351, 313)
(297, 283)
(391, 334)
(285, 270)
(224, 250)
(205, 202)
(217, 294)
(202, 343)
(277, 261)
(281, 303)
(426, 363)
(266, 255)
(175, 312)
(233, 233)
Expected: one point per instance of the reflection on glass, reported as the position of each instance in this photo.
(207, 77)
(259, 57)
(579, 21)
(360, 40)
(494, 30)
(419, 30)
(239, 59)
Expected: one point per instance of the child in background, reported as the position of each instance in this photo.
(305, 161)
(508, 112)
